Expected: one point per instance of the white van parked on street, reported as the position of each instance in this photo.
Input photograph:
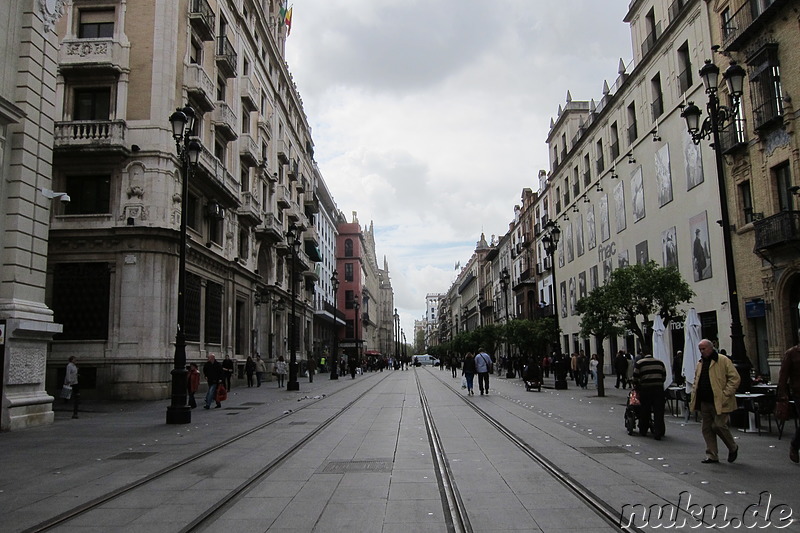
(426, 359)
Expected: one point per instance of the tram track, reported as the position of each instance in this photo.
(456, 516)
(592, 501)
(207, 517)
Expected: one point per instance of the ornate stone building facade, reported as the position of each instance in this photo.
(628, 185)
(762, 154)
(123, 69)
(365, 294)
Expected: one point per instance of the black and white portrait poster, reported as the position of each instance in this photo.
(573, 297)
(560, 253)
(582, 285)
(663, 176)
(579, 235)
(608, 267)
(642, 255)
(591, 233)
(563, 299)
(619, 206)
(637, 190)
(605, 229)
(622, 259)
(593, 278)
(570, 243)
(669, 247)
(701, 252)
(694, 162)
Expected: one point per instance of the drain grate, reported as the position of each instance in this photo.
(236, 408)
(345, 467)
(127, 456)
(603, 449)
(298, 423)
(253, 403)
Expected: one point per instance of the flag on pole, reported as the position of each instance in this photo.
(288, 21)
(282, 12)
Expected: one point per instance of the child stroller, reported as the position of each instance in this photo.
(632, 407)
(532, 376)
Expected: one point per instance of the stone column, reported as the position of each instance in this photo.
(27, 106)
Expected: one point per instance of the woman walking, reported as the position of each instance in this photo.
(261, 369)
(468, 371)
(280, 370)
(193, 383)
(71, 380)
(593, 364)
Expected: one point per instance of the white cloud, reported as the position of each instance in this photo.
(429, 118)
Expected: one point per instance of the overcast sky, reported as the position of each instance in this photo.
(430, 117)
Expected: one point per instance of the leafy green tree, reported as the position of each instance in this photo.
(642, 290)
(419, 341)
(531, 337)
(599, 319)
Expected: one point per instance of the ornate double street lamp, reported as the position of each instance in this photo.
(505, 283)
(294, 243)
(550, 241)
(189, 149)
(356, 307)
(718, 115)
(335, 285)
(396, 335)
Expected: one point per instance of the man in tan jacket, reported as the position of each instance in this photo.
(714, 394)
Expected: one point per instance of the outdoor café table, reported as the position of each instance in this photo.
(745, 400)
(764, 388)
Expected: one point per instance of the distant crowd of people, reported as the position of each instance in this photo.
(716, 381)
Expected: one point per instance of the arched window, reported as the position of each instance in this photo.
(348, 248)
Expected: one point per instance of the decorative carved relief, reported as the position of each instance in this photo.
(87, 49)
(135, 211)
(51, 11)
(776, 139)
(26, 362)
(136, 191)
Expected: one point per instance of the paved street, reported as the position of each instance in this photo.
(372, 469)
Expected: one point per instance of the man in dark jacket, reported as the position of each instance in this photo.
(213, 372)
(227, 371)
(621, 368)
(649, 375)
(789, 382)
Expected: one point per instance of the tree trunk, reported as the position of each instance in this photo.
(601, 387)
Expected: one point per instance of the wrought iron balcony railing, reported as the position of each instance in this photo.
(777, 230)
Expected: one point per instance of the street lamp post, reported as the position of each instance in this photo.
(357, 307)
(335, 285)
(505, 283)
(294, 243)
(189, 149)
(718, 115)
(396, 335)
(550, 241)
